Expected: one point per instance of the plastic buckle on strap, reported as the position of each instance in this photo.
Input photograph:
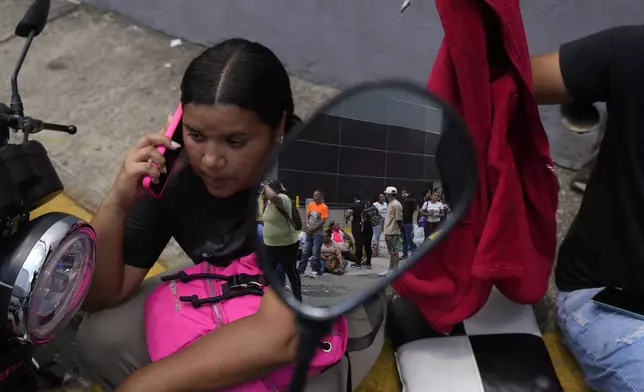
(244, 281)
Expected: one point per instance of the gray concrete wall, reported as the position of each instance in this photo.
(342, 42)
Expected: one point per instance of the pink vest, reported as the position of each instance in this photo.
(172, 322)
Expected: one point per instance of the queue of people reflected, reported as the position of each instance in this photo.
(392, 224)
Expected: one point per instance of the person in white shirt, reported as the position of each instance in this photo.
(381, 204)
(432, 210)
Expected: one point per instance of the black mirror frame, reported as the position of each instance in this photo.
(312, 313)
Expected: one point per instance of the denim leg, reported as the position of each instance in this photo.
(316, 264)
(260, 233)
(407, 238)
(405, 245)
(609, 346)
(306, 254)
(377, 230)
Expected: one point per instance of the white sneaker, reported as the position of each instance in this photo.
(384, 273)
(314, 275)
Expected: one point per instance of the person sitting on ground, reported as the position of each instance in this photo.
(343, 239)
(332, 255)
(237, 106)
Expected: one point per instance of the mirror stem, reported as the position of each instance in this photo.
(311, 332)
(16, 101)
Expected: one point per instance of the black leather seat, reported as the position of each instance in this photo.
(498, 349)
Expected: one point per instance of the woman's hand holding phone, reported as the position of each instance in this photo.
(141, 160)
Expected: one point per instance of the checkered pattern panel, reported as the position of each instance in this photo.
(500, 349)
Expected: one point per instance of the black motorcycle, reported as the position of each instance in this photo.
(46, 264)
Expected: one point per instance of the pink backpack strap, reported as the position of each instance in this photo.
(237, 285)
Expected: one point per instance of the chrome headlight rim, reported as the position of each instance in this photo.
(35, 248)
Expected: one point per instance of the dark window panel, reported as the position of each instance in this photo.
(324, 128)
(363, 134)
(431, 142)
(303, 184)
(405, 166)
(406, 140)
(360, 162)
(349, 186)
(431, 170)
(307, 156)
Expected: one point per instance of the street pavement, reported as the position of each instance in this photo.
(330, 289)
(111, 78)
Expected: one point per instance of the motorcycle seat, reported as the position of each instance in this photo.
(498, 349)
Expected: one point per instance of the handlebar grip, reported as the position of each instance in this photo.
(70, 129)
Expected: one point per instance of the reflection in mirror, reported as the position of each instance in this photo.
(364, 179)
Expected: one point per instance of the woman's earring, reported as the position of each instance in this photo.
(281, 139)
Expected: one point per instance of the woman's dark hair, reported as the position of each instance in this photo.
(276, 186)
(241, 73)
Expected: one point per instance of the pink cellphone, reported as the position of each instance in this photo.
(175, 133)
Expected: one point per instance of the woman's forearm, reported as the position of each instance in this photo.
(109, 222)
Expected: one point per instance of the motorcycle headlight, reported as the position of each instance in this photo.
(45, 274)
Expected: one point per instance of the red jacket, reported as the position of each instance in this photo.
(508, 237)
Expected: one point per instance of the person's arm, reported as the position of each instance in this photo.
(230, 355)
(549, 87)
(424, 210)
(124, 220)
(273, 197)
(324, 214)
(581, 70)
(308, 211)
(338, 254)
(399, 216)
(129, 243)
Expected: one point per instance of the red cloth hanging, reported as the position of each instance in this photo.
(508, 237)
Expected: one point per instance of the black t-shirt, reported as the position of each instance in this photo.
(605, 244)
(207, 228)
(409, 207)
(357, 208)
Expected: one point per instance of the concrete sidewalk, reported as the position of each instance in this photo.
(113, 79)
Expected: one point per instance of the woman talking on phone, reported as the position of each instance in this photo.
(237, 105)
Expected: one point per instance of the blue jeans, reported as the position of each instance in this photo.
(281, 275)
(609, 346)
(377, 231)
(312, 247)
(407, 238)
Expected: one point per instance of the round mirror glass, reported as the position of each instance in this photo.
(362, 190)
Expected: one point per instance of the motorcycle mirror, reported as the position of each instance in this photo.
(34, 20)
(580, 117)
(381, 143)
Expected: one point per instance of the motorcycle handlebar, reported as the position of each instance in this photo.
(70, 129)
(29, 125)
